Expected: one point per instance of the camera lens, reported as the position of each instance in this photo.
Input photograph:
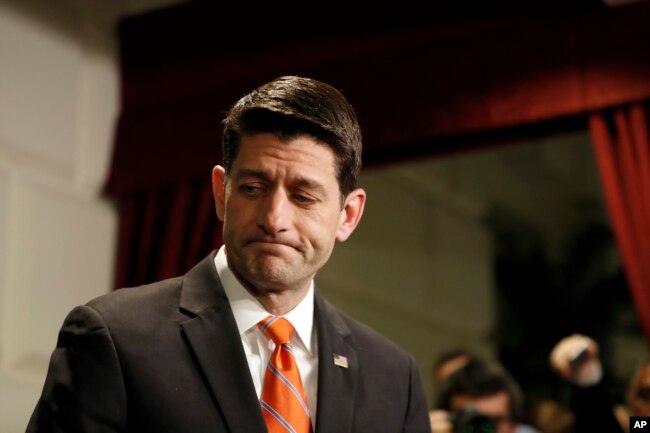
(469, 420)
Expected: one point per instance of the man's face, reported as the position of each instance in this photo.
(639, 398)
(495, 406)
(281, 211)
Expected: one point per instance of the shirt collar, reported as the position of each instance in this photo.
(248, 311)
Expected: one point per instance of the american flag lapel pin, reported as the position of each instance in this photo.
(340, 360)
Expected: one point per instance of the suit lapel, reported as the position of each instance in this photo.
(213, 338)
(336, 384)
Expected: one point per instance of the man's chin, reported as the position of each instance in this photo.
(269, 270)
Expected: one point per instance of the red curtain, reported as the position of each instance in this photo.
(164, 232)
(622, 147)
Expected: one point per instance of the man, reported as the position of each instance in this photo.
(243, 342)
(480, 396)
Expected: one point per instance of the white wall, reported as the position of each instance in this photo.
(58, 105)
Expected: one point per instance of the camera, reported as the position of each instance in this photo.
(468, 420)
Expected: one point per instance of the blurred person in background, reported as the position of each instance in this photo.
(575, 359)
(480, 396)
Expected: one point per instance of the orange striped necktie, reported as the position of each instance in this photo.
(284, 402)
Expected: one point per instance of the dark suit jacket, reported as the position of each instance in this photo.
(167, 357)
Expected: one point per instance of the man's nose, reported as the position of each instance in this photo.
(274, 214)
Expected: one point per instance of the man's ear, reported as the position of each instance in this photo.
(219, 190)
(351, 214)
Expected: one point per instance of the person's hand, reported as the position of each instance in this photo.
(440, 422)
(575, 358)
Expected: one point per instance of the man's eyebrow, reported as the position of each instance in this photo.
(247, 172)
(300, 182)
(310, 184)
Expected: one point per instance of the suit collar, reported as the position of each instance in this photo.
(202, 288)
(213, 338)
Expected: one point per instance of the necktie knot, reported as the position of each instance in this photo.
(277, 329)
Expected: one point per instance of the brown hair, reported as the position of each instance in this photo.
(292, 106)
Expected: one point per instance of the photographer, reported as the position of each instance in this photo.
(482, 397)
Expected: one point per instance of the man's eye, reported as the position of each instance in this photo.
(303, 199)
(250, 189)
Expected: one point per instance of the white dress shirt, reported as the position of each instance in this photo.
(258, 348)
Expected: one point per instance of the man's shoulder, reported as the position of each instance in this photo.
(136, 304)
(144, 293)
(162, 294)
